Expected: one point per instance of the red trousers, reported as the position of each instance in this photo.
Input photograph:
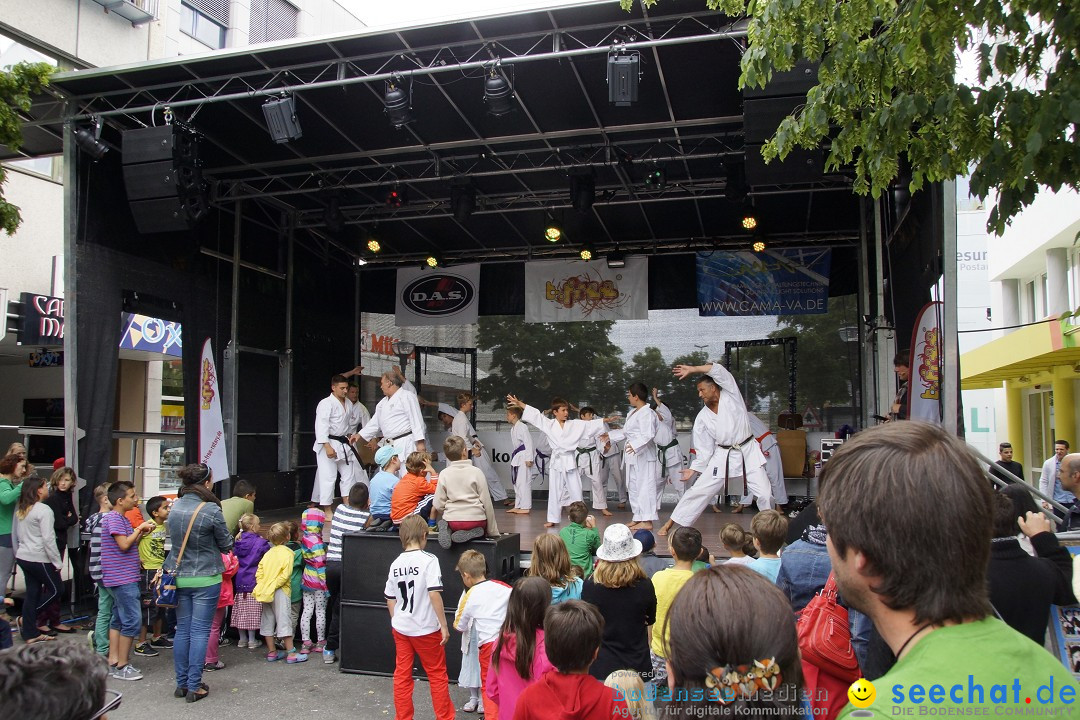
(491, 708)
(433, 658)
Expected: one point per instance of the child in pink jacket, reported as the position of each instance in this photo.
(520, 657)
(225, 600)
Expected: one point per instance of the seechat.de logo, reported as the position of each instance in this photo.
(438, 295)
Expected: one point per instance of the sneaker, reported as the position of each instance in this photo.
(128, 672)
(211, 667)
(112, 671)
(462, 536)
(432, 529)
(161, 642)
(225, 642)
(329, 657)
(296, 657)
(241, 643)
(306, 647)
(444, 535)
(471, 705)
(318, 647)
(145, 650)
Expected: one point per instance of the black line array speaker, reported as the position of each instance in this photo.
(366, 559)
(796, 81)
(763, 116)
(367, 645)
(800, 166)
(163, 178)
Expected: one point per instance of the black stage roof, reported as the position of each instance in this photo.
(688, 122)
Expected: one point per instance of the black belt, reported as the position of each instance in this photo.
(661, 451)
(727, 460)
(585, 451)
(345, 441)
(404, 434)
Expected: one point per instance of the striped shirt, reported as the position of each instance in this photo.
(346, 520)
(117, 566)
(93, 526)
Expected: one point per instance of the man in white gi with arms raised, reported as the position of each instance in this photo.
(732, 452)
(639, 457)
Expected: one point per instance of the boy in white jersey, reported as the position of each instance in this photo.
(418, 621)
(483, 606)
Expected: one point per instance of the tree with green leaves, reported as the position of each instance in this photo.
(18, 85)
(889, 84)
(649, 367)
(576, 361)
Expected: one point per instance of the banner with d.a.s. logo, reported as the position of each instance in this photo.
(437, 297)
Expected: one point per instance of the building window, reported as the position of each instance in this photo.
(201, 26)
(1029, 302)
(272, 20)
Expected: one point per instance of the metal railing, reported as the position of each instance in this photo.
(1021, 481)
(136, 439)
(136, 12)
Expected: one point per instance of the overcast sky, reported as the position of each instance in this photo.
(400, 12)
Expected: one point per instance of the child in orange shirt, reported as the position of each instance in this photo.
(414, 493)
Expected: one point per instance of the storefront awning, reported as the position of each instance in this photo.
(1024, 353)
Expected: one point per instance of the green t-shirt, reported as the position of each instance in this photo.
(233, 508)
(152, 548)
(582, 543)
(978, 668)
(297, 593)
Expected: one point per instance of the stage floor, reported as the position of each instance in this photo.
(531, 525)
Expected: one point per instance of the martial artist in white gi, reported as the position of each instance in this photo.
(334, 454)
(565, 436)
(397, 418)
(774, 468)
(463, 427)
(588, 461)
(639, 457)
(611, 463)
(732, 453)
(522, 465)
(358, 418)
(667, 450)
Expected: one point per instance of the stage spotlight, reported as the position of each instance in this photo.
(396, 197)
(498, 93)
(656, 180)
(462, 199)
(88, 142)
(552, 231)
(616, 260)
(431, 261)
(586, 253)
(759, 246)
(373, 245)
(281, 120)
(582, 190)
(361, 262)
(398, 102)
(749, 222)
(623, 73)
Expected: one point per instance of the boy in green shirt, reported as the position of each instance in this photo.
(581, 537)
(152, 557)
(296, 591)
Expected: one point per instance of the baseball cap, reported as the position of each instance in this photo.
(58, 463)
(385, 454)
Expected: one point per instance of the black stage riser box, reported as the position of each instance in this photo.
(796, 81)
(800, 166)
(367, 645)
(366, 559)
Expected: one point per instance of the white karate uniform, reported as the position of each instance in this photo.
(397, 418)
(611, 467)
(640, 462)
(464, 429)
(332, 418)
(731, 452)
(565, 485)
(668, 452)
(523, 451)
(774, 468)
(587, 459)
(358, 418)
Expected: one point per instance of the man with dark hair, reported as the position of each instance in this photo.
(397, 418)
(724, 445)
(572, 634)
(52, 681)
(909, 518)
(1050, 480)
(334, 454)
(241, 503)
(1006, 462)
(902, 367)
(640, 461)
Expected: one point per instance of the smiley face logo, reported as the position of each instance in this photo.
(862, 693)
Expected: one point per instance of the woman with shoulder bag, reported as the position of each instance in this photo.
(199, 537)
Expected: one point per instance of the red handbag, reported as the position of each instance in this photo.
(824, 635)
